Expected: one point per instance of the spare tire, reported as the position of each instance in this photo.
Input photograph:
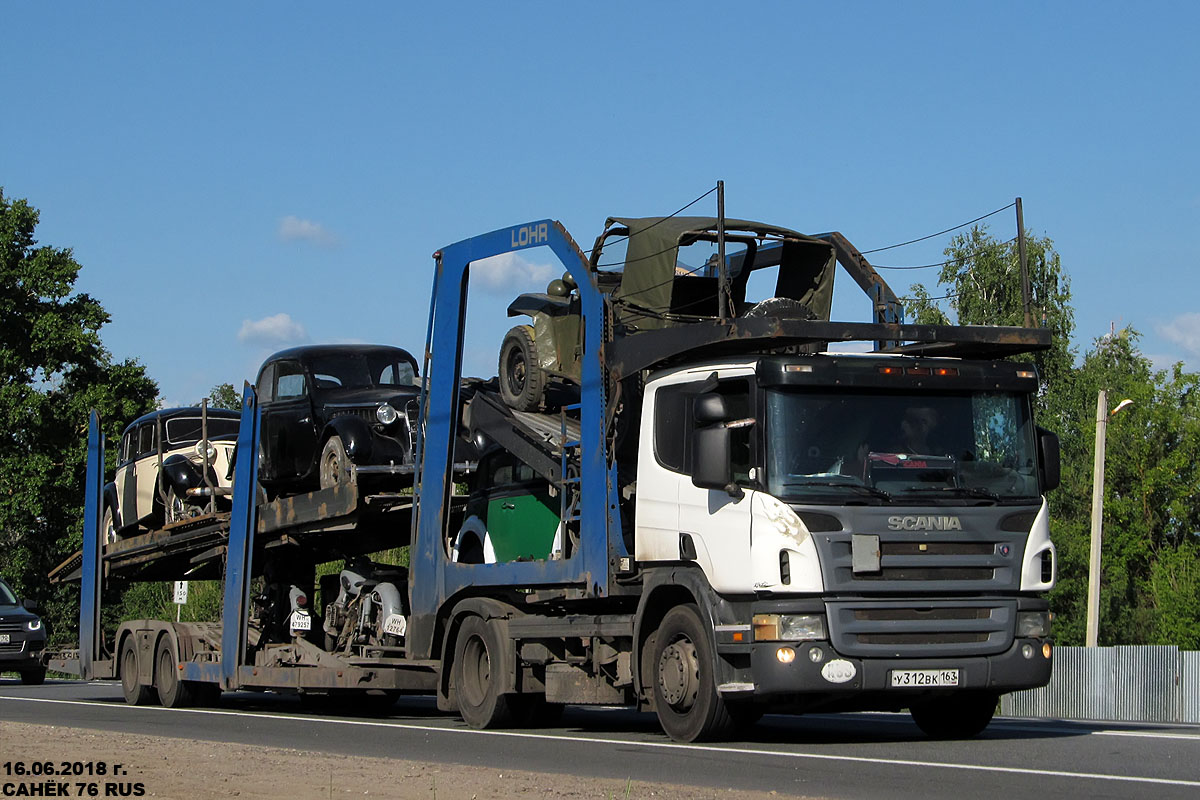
(522, 380)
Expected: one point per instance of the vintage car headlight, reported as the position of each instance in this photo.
(212, 451)
(789, 627)
(386, 414)
(33, 625)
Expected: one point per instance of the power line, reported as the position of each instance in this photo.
(676, 213)
(946, 263)
(939, 233)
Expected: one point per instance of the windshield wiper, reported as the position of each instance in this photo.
(961, 491)
(858, 487)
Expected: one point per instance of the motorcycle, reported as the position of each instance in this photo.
(368, 610)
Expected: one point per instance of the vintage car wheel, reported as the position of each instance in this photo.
(108, 527)
(335, 465)
(522, 380)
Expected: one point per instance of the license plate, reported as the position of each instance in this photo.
(5, 638)
(924, 677)
(301, 622)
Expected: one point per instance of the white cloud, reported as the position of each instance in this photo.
(294, 229)
(509, 274)
(276, 330)
(1184, 331)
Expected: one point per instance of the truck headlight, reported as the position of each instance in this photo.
(789, 627)
(386, 414)
(33, 625)
(1033, 624)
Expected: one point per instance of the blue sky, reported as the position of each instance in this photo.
(239, 177)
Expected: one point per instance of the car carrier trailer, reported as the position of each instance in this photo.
(738, 536)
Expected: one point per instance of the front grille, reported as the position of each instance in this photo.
(12, 627)
(915, 628)
(966, 561)
(13, 649)
(365, 414)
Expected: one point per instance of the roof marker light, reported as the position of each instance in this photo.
(798, 368)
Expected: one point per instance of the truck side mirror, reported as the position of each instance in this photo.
(1048, 459)
(30, 604)
(711, 467)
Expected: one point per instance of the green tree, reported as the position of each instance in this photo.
(55, 368)
(223, 395)
(980, 284)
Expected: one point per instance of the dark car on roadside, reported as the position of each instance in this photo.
(336, 414)
(22, 637)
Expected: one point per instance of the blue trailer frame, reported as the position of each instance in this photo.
(436, 579)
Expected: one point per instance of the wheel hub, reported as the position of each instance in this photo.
(679, 674)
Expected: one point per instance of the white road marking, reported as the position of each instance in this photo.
(899, 762)
(1021, 724)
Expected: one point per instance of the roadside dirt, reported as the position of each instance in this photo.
(194, 770)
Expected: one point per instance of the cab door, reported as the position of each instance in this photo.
(125, 481)
(145, 472)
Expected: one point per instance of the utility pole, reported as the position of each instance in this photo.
(1093, 600)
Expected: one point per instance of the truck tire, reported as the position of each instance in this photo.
(522, 380)
(962, 715)
(172, 692)
(685, 693)
(335, 465)
(136, 694)
(476, 678)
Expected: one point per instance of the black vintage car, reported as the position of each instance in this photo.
(337, 414)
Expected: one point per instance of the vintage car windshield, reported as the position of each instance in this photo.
(362, 371)
(186, 430)
(7, 598)
(955, 448)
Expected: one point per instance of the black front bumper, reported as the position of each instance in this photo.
(769, 677)
(21, 655)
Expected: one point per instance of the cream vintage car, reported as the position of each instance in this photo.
(144, 496)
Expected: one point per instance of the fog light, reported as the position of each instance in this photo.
(785, 655)
(1027, 650)
(1046, 650)
(815, 654)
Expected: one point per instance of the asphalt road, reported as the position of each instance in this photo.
(837, 756)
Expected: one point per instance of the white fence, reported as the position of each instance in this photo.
(1124, 684)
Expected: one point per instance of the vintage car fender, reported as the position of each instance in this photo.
(355, 434)
(110, 501)
(181, 474)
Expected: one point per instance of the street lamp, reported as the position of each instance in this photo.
(1093, 602)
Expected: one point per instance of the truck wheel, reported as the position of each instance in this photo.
(335, 465)
(476, 675)
(522, 380)
(172, 692)
(962, 715)
(33, 677)
(135, 693)
(685, 694)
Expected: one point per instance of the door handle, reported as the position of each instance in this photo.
(507, 506)
(303, 421)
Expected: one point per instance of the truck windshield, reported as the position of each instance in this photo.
(945, 448)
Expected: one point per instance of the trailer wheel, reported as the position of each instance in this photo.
(685, 694)
(172, 692)
(962, 715)
(135, 693)
(522, 380)
(476, 676)
(335, 464)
